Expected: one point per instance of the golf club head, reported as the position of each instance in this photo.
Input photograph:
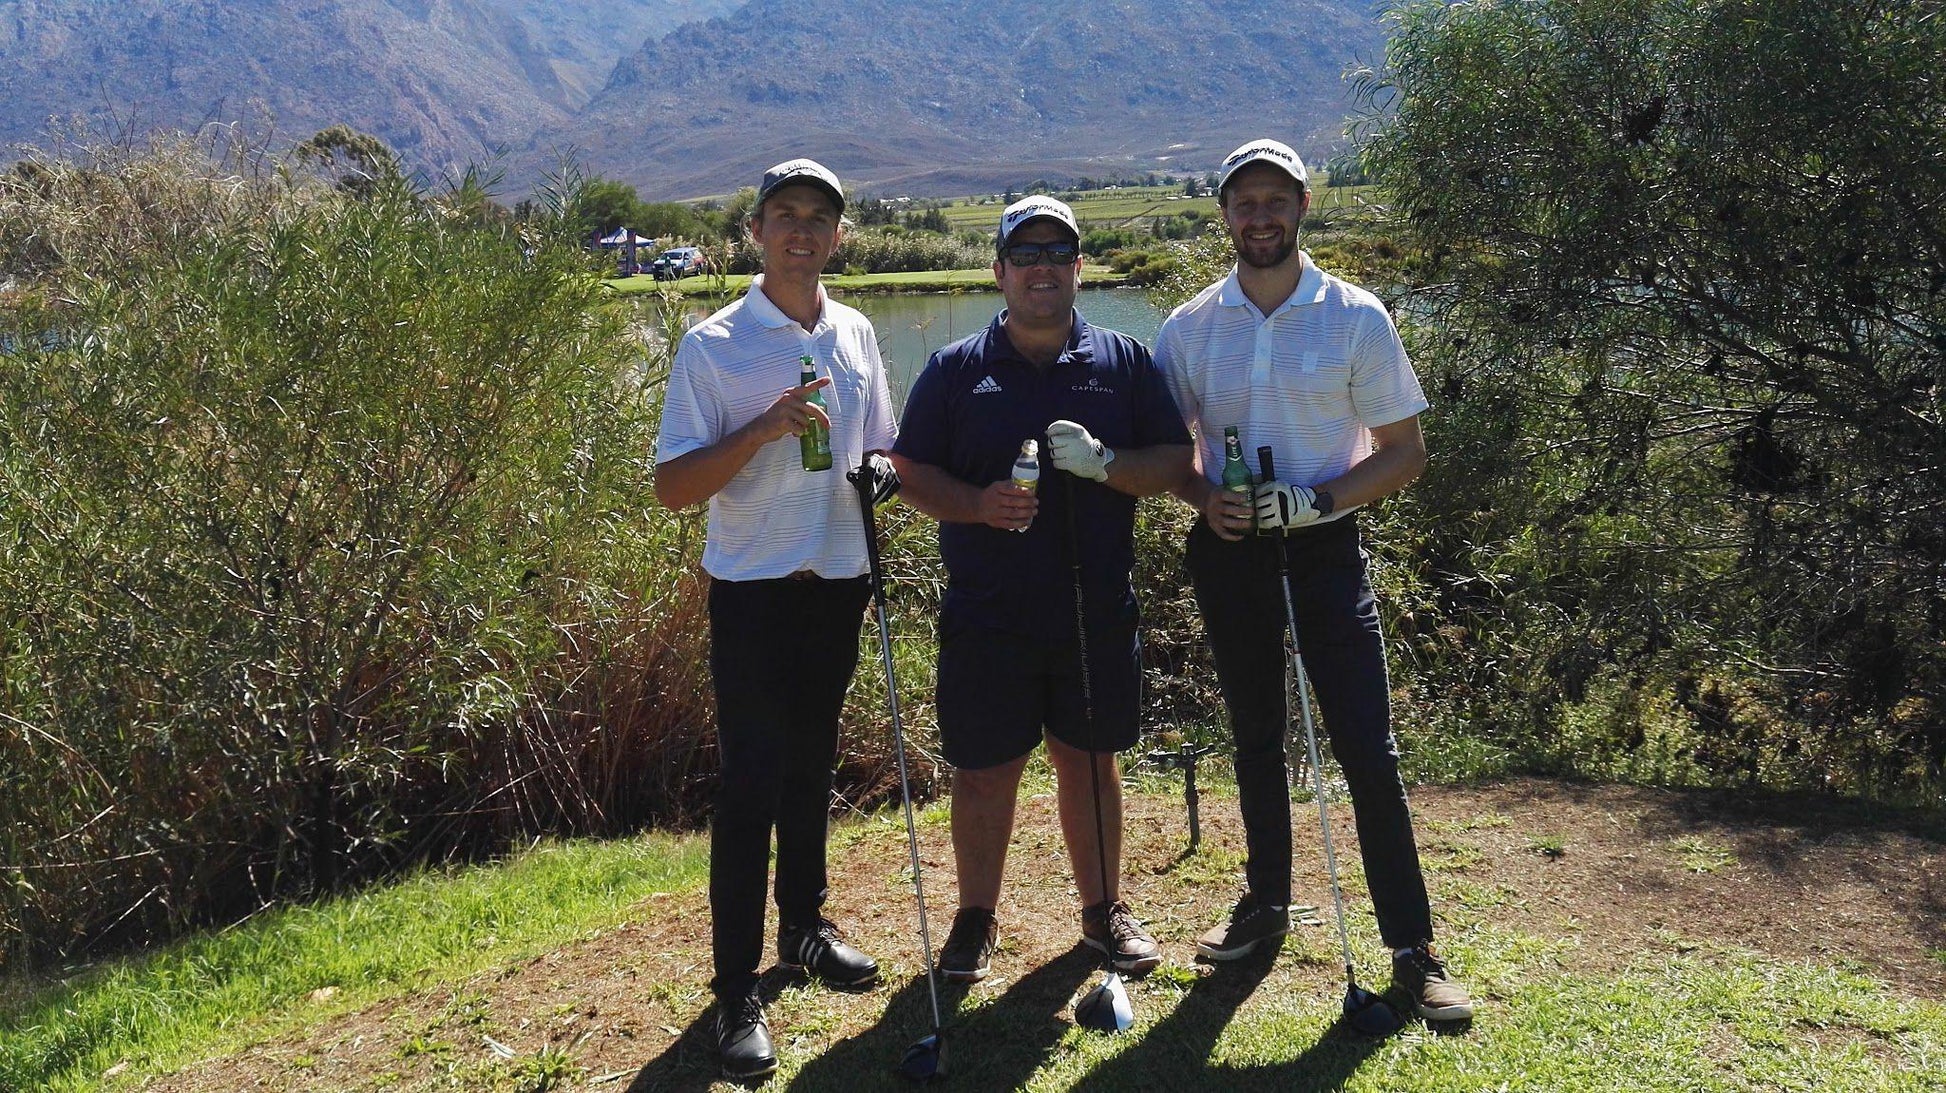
(1106, 1008)
(1369, 1015)
(924, 1060)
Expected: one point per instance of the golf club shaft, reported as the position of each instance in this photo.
(1267, 462)
(898, 743)
(1087, 698)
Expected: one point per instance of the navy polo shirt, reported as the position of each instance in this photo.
(967, 413)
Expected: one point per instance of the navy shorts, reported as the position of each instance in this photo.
(999, 690)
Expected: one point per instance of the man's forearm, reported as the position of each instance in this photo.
(696, 476)
(936, 493)
(1400, 458)
(1140, 472)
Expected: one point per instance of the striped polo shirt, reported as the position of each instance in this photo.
(775, 518)
(1311, 379)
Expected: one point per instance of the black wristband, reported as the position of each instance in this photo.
(1321, 501)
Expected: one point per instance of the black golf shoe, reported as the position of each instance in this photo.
(1250, 924)
(743, 1037)
(819, 950)
(968, 951)
(1110, 927)
(1435, 995)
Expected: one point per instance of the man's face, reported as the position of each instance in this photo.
(1262, 207)
(1043, 291)
(798, 229)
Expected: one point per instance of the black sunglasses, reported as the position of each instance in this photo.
(1033, 254)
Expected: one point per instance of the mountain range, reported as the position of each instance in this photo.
(686, 98)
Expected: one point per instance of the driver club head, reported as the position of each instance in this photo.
(924, 1060)
(1106, 1008)
(1368, 1014)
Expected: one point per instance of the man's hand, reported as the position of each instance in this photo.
(1006, 506)
(790, 415)
(1228, 512)
(1078, 453)
(1281, 506)
(877, 476)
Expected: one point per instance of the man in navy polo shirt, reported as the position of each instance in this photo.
(1009, 656)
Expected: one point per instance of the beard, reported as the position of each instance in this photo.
(1256, 258)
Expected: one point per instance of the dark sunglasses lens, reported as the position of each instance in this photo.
(1033, 254)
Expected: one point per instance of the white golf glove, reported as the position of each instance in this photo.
(1282, 506)
(1076, 452)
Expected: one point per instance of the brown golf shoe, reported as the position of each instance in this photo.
(1250, 925)
(1436, 995)
(968, 951)
(1110, 927)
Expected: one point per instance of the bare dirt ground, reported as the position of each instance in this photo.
(1625, 873)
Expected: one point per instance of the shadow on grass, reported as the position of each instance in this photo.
(1005, 1042)
(689, 1064)
(1174, 1053)
(999, 1045)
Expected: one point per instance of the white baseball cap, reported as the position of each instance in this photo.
(1038, 207)
(794, 171)
(1262, 151)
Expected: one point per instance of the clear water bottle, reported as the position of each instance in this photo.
(1027, 468)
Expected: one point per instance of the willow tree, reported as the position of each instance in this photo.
(1687, 259)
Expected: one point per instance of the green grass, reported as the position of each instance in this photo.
(196, 997)
(1134, 207)
(1705, 1021)
(1686, 1016)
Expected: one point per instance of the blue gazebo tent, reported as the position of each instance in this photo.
(627, 241)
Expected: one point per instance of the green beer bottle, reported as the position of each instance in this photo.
(1236, 473)
(815, 441)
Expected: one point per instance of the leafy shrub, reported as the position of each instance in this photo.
(330, 544)
(1677, 274)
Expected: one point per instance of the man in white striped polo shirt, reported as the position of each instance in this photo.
(786, 556)
(1312, 367)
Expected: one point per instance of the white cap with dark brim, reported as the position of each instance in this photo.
(795, 172)
(1038, 207)
(1280, 156)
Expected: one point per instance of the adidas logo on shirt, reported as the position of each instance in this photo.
(986, 387)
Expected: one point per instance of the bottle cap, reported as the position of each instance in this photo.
(1030, 448)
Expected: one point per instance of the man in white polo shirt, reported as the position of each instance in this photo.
(1312, 367)
(786, 556)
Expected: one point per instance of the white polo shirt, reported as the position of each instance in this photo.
(775, 518)
(1311, 379)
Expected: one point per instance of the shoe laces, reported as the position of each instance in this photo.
(1121, 922)
(1426, 962)
(970, 926)
(744, 1009)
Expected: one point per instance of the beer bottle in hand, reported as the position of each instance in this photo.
(815, 441)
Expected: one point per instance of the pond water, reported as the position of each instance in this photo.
(911, 327)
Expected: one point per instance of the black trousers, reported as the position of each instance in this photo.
(1344, 656)
(782, 654)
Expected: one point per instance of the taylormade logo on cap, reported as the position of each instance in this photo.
(1262, 151)
(808, 171)
(1034, 208)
